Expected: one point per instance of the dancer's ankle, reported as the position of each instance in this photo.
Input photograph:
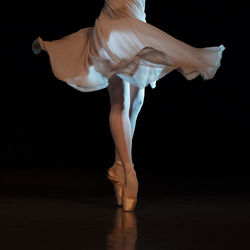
(118, 162)
(128, 165)
(118, 168)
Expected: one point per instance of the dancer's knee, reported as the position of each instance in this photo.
(120, 106)
(119, 95)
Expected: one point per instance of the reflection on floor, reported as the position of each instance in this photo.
(34, 214)
(124, 233)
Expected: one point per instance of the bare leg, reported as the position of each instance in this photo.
(136, 102)
(119, 92)
(121, 131)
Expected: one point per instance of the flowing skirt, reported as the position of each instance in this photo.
(129, 47)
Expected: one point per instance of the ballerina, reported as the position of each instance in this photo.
(125, 54)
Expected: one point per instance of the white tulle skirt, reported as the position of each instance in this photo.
(122, 43)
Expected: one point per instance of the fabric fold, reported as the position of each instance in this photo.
(122, 43)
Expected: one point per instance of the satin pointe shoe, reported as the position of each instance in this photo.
(130, 188)
(116, 176)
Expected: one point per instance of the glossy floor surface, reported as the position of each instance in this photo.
(50, 213)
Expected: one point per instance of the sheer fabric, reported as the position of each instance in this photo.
(122, 43)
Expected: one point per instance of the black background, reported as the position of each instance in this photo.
(184, 127)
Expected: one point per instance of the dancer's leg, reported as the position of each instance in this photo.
(120, 126)
(136, 102)
(119, 92)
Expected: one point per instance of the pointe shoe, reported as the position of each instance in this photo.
(130, 188)
(36, 47)
(116, 176)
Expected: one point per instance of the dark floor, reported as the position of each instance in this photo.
(73, 209)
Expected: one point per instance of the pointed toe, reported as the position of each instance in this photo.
(129, 204)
